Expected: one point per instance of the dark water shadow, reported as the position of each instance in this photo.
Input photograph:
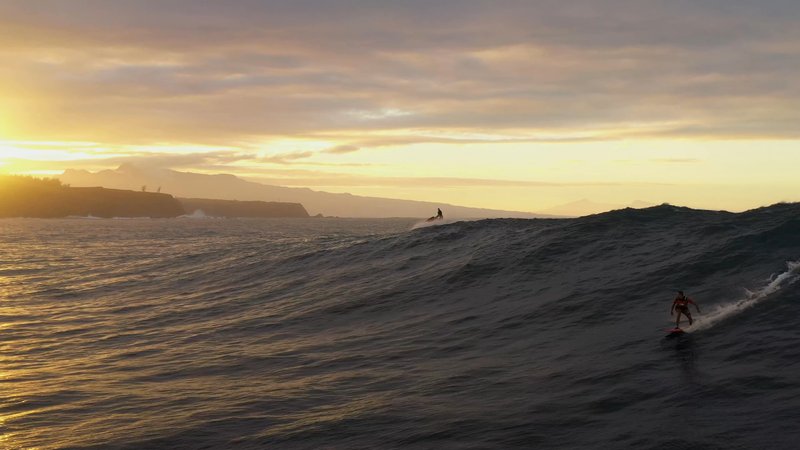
(686, 353)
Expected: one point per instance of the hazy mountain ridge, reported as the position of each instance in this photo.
(230, 187)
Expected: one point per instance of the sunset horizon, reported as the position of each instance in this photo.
(399, 224)
(523, 107)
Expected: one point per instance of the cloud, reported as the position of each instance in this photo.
(219, 159)
(326, 179)
(414, 138)
(225, 74)
(341, 149)
(285, 158)
(172, 160)
(677, 160)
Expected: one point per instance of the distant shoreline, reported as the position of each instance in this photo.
(28, 197)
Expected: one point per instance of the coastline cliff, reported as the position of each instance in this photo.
(48, 198)
(22, 196)
(234, 208)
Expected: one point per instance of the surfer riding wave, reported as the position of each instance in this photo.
(438, 216)
(681, 305)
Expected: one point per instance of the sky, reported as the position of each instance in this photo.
(507, 104)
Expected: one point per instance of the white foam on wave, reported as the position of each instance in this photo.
(87, 217)
(197, 214)
(776, 283)
(434, 223)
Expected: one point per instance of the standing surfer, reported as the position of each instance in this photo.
(681, 305)
(438, 216)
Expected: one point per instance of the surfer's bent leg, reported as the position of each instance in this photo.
(685, 313)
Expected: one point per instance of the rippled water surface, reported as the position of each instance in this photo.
(335, 333)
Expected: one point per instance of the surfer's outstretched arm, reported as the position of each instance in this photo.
(695, 305)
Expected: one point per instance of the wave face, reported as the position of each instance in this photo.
(335, 333)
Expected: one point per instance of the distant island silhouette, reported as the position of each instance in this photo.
(230, 187)
(22, 196)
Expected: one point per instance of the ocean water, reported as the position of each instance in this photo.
(350, 334)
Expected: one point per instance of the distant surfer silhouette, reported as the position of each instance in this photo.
(438, 216)
(681, 305)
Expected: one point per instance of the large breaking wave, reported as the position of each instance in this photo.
(367, 334)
